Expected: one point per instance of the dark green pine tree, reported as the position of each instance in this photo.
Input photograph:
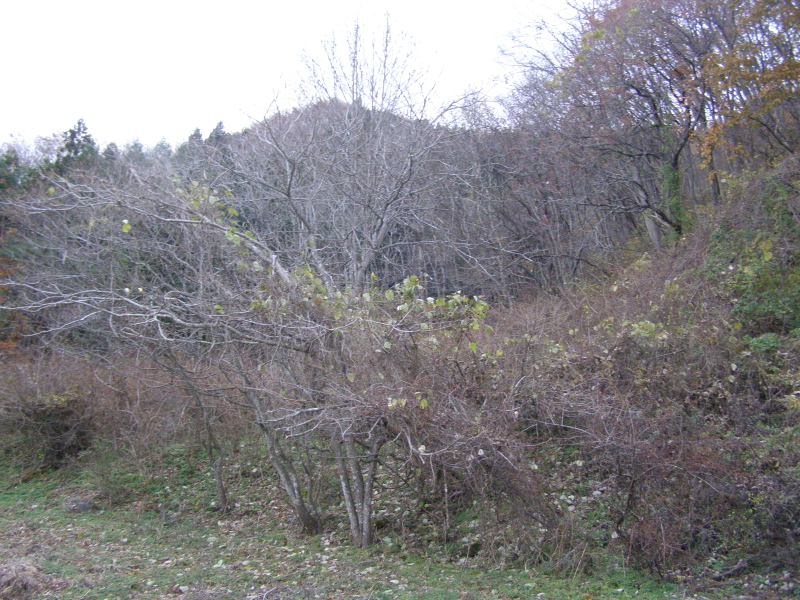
(78, 149)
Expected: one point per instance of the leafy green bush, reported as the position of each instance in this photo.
(757, 252)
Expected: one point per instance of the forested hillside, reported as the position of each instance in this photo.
(553, 334)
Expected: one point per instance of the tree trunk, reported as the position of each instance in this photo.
(356, 485)
(307, 514)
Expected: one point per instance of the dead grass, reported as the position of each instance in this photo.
(21, 580)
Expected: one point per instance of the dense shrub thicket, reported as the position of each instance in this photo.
(567, 339)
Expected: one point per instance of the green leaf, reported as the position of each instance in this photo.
(351, 377)
(389, 295)
(218, 308)
(473, 346)
(126, 227)
(387, 344)
(233, 237)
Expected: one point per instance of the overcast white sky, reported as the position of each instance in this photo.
(159, 69)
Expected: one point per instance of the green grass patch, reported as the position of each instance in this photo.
(164, 542)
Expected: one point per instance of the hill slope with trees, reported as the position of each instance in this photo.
(563, 336)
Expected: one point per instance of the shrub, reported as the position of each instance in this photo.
(45, 421)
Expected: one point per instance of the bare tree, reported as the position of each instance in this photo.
(252, 281)
(351, 181)
(627, 94)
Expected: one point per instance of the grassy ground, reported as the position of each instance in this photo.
(119, 532)
(63, 540)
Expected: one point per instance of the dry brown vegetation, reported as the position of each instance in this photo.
(640, 414)
(564, 341)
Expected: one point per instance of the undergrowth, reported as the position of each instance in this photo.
(645, 424)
